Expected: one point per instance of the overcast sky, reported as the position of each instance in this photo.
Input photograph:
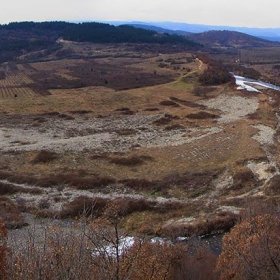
(250, 13)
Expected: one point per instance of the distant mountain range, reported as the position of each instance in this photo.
(272, 34)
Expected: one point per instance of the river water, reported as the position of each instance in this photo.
(252, 85)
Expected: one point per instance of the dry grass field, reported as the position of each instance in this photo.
(137, 127)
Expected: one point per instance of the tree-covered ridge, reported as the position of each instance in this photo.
(18, 38)
(105, 33)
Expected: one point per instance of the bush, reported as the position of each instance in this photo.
(162, 121)
(7, 189)
(126, 206)
(140, 184)
(44, 157)
(130, 161)
(10, 214)
(169, 103)
(84, 206)
(202, 115)
(274, 186)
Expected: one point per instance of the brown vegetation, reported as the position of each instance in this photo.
(130, 161)
(10, 214)
(44, 157)
(251, 250)
(202, 115)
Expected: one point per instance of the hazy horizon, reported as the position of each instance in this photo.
(257, 13)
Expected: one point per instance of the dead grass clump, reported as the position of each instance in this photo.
(44, 156)
(169, 103)
(83, 206)
(202, 115)
(10, 214)
(130, 161)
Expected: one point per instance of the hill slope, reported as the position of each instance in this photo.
(227, 38)
(22, 37)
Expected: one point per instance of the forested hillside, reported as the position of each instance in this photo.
(21, 37)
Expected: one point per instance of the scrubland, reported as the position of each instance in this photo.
(134, 129)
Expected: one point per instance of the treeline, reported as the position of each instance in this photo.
(105, 33)
(215, 73)
(19, 38)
